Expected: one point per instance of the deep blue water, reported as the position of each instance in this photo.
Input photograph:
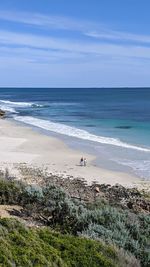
(116, 121)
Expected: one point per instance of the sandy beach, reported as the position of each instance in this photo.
(21, 144)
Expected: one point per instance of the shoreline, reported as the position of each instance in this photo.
(21, 144)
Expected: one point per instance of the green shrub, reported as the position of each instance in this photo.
(122, 228)
(113, 225)
(21, 246)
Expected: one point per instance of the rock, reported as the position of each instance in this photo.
(97, 189)
(130, 205)
(124, 127)
(2, 113)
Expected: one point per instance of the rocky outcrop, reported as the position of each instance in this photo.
(130, 198)
(2, 113)
(77, 188)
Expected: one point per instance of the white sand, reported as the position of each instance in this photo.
(19, 144)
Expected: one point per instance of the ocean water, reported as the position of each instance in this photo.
(114, 124)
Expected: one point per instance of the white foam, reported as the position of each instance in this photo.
(32, 104)
(19, 104)
(9, 109)
(75, 132)
(141, 167)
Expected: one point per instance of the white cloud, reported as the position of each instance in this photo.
(103, 58)
(75, 47)
(87, 28)
(45, 21)
(121, 36)
(34, 54)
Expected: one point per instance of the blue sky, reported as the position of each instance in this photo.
(82, 43)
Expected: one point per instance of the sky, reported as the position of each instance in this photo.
(80, 43)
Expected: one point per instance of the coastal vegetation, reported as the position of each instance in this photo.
(71, 232)
(21, 246)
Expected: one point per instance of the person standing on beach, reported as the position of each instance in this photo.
(85, 162)
(81, 161)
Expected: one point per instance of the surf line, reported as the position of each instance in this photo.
(75, 132)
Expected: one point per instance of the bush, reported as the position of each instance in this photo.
(17, 193)
(21, 246)
(122, 228)
(112, 225)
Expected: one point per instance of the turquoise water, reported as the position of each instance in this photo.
(112, 123)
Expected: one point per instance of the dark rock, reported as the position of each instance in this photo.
(130, 205)
(2, 113)
(90, 125)
(123, 127)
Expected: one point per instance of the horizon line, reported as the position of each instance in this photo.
(94, 87)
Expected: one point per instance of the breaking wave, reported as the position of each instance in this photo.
(75, 132)
(140, 167)
(9, 109)
(20, 104)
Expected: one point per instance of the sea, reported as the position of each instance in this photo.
(111, 123)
